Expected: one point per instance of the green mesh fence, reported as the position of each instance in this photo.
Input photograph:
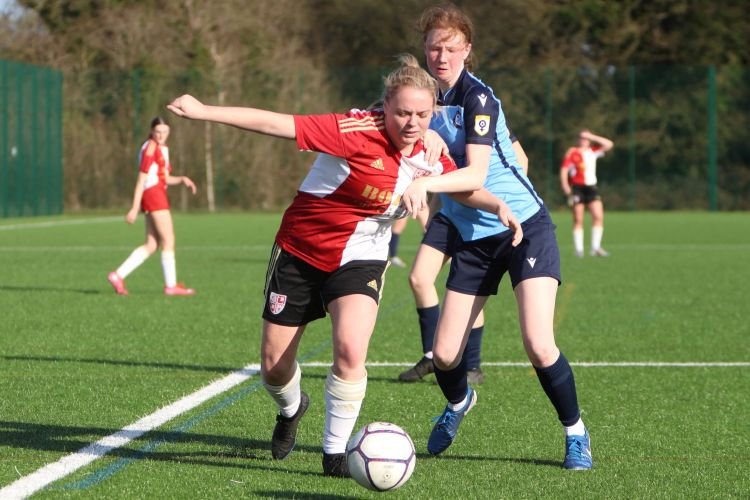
(679, 131)
(31, 180)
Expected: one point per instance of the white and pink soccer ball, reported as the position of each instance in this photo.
(381, 456)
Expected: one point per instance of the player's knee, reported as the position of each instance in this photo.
(542, 354)
(150, 247)
(444, 360)
(349, 364)
(275, 370)
(418, 283)
(279, 381)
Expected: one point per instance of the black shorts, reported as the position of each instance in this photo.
(478, 266)
(298, 293)
(585, 194)
(441, 235)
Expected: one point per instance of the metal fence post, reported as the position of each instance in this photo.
(712, 137)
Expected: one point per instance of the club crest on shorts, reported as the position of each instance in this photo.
(276, 302)
(481, 124)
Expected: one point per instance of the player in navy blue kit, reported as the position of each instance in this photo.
(472, 123)
(434, 252)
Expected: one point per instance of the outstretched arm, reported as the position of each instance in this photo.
(252, 119)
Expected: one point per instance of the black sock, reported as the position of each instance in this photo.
(560, 386)
(473, 351)
(453, 382)
(393, 245)
(428, 320)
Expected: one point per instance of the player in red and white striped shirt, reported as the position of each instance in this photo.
(578, 182)
(150, 197)
(331, 250)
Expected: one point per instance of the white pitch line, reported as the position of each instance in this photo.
(101, 248)
(604, 364)
(660, 364)
(73, 222)
(30, 484)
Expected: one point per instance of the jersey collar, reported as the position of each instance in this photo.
(449, 96)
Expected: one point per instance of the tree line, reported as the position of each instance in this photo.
(556, 64)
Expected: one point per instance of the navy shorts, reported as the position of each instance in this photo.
(298, 293)
(478, 266)
(441, 235)
(585, 194)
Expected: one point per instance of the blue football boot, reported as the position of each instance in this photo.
(446, 426)
(578, 452)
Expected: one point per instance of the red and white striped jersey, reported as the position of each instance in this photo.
(154, 162)
(582, 165)
(344, 209)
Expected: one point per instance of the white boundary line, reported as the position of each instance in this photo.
(603, 364)
(101, 248)
(30, 484)
(53, 223)
(38, 480)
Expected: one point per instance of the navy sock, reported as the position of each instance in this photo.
(560, 386)
(473, 351)
(393, 245)
(428, 320)
(453, 382)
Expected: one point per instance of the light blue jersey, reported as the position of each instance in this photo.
(471, 114)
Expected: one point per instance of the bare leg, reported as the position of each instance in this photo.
(578, 211)
(596, 209)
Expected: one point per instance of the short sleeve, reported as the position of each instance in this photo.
(149, 154)
(481, 115)
(569, 160)
(320, 133)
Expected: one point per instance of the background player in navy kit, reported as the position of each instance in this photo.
(473, 125)
(332, 247)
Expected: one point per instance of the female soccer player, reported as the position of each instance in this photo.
(578, 181)
(332, 247)
(150, 197)
(472, 123)
(434, 252)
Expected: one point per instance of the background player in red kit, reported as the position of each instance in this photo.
(150, 196)
(331, 250)
(578, 181)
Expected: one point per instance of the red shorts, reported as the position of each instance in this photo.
(154, 199)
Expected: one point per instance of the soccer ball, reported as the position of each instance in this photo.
(381, 456)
